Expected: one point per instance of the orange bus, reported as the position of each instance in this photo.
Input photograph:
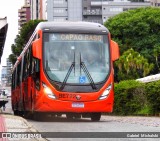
(65, 68)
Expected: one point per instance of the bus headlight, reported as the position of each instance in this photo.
(106, 92)
(48, 91)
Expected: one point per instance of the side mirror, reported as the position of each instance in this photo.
(36, 48)
(114, 51)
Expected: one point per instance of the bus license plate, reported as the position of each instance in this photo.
(77, 105)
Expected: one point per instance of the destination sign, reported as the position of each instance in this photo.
(76, 37)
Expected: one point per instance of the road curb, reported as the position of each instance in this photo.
(16, 124)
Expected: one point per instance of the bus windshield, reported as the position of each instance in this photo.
(66, 52)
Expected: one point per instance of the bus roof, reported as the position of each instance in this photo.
(73, 27)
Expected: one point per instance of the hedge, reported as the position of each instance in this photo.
(136, 98)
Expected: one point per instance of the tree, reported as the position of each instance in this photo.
(132, 65)
(22, 38)
(156, 54)
(138, 29)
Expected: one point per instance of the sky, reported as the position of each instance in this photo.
(9, 9)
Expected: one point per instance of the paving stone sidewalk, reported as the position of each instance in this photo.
(18, 129)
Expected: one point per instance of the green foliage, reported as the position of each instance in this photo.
(22, 38)
(156, 54)
(138, 29)
(129, 97)
(145, 111)
(12, 58)
(132, 65)
(135, 98)
(153, 95)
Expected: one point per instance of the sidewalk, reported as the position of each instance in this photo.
(2, 125)
(17, 128)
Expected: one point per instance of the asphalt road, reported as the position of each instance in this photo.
(114, 128)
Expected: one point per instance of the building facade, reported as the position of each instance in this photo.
(64, 10)
(155, 3)
(6, 73)
(112, 8)
(92, 10)
(77, 10)
(38, 9)
(88, 10)
(24, 14)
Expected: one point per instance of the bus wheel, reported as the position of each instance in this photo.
(21, 113)
(69, 116)
(15, 111)
(28, 115)
(95, 116)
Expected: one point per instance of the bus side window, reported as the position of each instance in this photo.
(25, 66)
(35, 72)
(30, 61)
(18, 79)
(35, 65)
(13, 79)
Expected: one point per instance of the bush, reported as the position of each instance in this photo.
(153, 96)
(135, 98)
(129, 97)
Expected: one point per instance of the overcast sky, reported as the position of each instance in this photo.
(9, 9)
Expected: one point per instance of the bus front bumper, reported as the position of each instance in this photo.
(77, 107)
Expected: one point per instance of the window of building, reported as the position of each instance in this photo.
(58, 1)
(58, 10)
(125, 9)
(59, 19)
(116, 9)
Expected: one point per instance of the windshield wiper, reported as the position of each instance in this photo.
(83, 66)
(68, 74)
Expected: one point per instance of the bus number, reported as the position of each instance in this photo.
(67, 96)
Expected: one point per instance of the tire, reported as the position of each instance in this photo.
(95, 116)
(15, 111)
(21, 113)
(28, 115)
